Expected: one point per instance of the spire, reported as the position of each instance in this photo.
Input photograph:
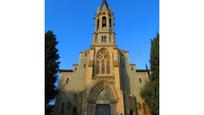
(104, 26)
(104, 3)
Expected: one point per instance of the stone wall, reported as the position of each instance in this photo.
(76, 85)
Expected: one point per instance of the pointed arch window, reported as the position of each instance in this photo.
(97, 67)
(97, 25)
(110, 22)
(108, 67)
(103, 67)
(103, 39)
(103, 62)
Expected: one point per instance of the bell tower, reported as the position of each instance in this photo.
(104, 26)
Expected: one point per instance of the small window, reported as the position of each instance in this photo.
(104, 39)
(132, 68)
(67, 81)
(85, 54)
(140, 80)
(84, 65)
(123, 65)
(75, 68)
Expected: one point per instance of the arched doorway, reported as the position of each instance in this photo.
(103, 109)
(103, 102)
(102, 99)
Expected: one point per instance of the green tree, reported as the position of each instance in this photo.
(150, 93)
(51, 66)
(154, 58)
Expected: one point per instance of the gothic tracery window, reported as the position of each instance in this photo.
(103, 62)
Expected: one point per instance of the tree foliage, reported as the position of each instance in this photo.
(150, 93)
(154, 58)
(51, 66)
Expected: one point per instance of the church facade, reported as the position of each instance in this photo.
(104, 82)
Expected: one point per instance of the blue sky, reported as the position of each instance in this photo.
(72, 21)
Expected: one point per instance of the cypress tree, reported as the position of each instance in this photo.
(154, 58)
(150, 93)
(51, 66)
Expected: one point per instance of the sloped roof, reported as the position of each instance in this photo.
(104, 2)
(66, 70)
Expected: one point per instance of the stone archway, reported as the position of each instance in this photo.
(102, 97)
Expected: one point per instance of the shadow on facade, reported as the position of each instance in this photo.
(130, 102)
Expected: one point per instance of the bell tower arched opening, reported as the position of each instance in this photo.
(97, 25)
(104, 22)
(104, 26)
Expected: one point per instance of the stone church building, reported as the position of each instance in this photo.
(104, 82)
